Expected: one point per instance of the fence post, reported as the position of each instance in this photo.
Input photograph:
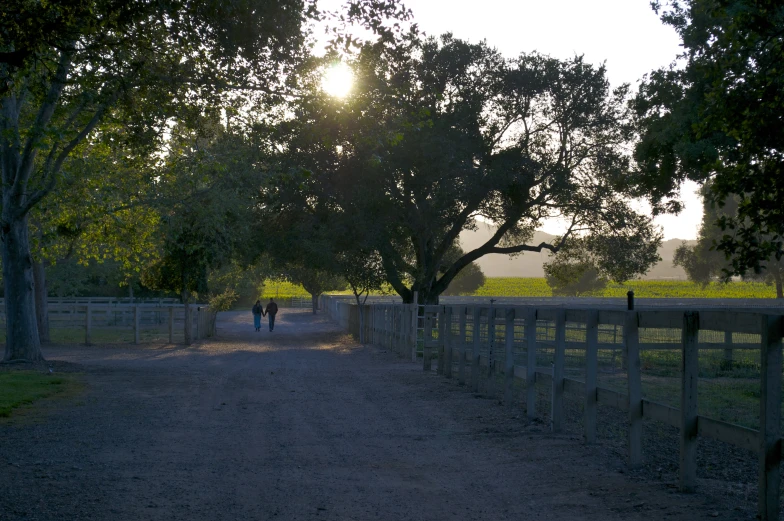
(727, 362)
(530, 368)
(476, 337)
(136, 324)
(556, 416)
(88, 326)
(441, 343)
(634, 386)
(427, 362)
(770, 418)
(462, 347)
(491, 351)
(448, 341)
(415, 327)
(171, 324)
(198, 323)
(689, 378)
(509, 362)
(591, 371)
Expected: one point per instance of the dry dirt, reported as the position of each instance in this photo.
(302, 424)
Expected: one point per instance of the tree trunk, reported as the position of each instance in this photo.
(314, 302)
(130, 291)
(22, 340)
(779, 289)
(426, 297)
(41, 301)
(186, 300)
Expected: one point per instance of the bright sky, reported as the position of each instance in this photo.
(626, 34)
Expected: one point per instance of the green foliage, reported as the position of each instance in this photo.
(223, 301)
(207, 182)
(703, 262)
(277, 288)
(469, 280)
(585, 265)
(717, 116)
(315, 281)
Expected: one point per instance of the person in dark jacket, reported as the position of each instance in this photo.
(272, 310)
(257, 313)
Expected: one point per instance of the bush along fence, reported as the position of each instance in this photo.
(107, 323)
(656, 368)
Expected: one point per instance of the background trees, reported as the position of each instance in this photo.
(704, 263)
(139, 62)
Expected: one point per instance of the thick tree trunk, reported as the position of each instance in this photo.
(314, 302)
(22, 341)
(779, 289)
(41, 301)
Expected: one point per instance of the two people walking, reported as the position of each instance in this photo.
(259, 311)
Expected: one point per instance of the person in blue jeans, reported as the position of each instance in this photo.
(258, 311)
(271, 311)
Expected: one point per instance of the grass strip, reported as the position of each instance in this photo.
(18, 388)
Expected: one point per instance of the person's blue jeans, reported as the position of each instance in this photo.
(257, 321)
(271, 321)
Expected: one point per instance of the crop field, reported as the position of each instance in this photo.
(537, 287)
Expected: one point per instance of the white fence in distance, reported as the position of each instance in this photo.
(89, 317)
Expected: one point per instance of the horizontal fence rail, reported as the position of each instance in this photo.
(516, 350)
(91, 319)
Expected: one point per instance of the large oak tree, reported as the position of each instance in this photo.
(440, 133)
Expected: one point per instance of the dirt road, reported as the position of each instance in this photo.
(301, 424)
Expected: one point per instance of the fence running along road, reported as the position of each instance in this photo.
(93, 318)
(567, 347)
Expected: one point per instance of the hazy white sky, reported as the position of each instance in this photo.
(626, 34)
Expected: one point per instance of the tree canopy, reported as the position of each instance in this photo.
(69, 68)
(442, 132)
(716, 115)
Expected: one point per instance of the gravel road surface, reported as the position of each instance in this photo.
(301, 424)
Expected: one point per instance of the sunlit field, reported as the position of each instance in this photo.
(537, 287)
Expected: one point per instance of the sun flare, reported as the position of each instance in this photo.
(338, 80)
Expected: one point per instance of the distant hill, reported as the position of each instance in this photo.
(530, 264)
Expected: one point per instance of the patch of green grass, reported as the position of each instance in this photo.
(18, 388)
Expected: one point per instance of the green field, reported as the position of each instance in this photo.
(537, 287)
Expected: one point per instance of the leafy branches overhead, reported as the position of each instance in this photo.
(719, 117)
(207, 191)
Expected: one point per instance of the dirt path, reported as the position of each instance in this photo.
(301, 424)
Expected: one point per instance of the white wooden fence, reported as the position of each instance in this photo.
(137, 317)
(492, 344)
